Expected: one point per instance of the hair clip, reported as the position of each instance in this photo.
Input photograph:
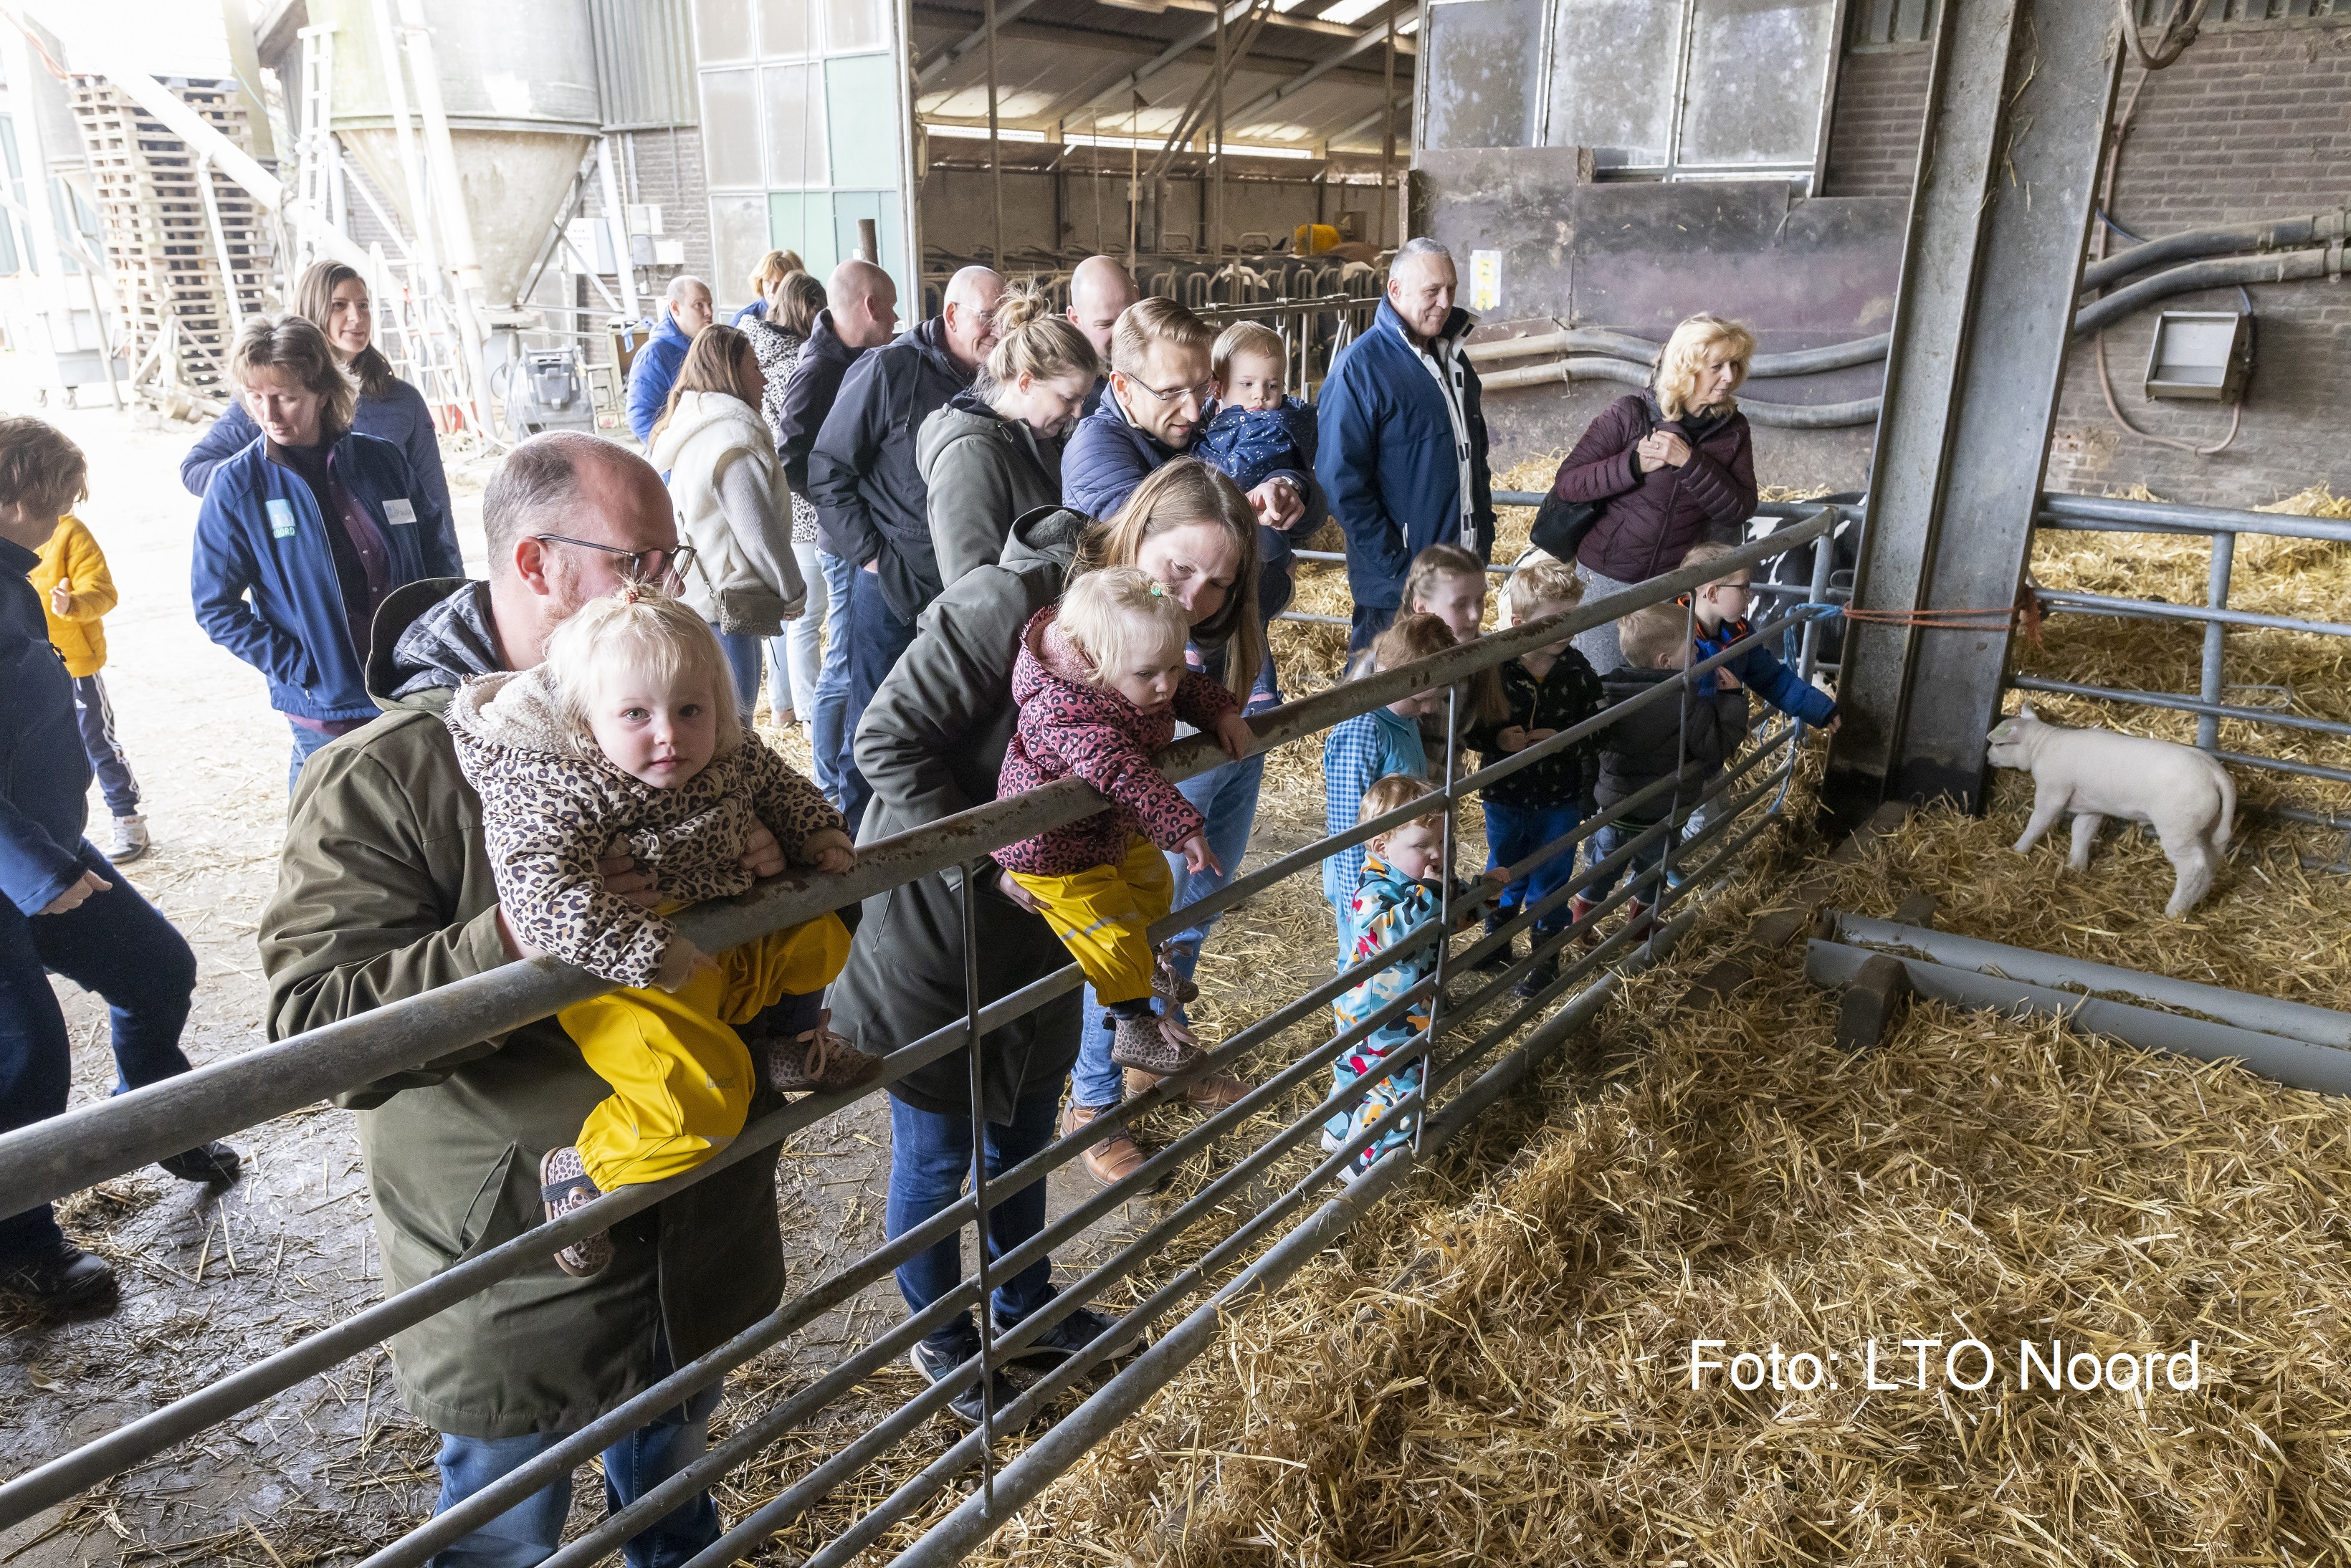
(629, 594)
(1157, 591)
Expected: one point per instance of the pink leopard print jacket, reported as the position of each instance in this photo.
(1069, 725)
(551, 806)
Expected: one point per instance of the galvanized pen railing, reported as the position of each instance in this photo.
(2208, 702)
(105, 1139)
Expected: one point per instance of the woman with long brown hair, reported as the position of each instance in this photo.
(932, 744)
(334, 297)
(733, 506)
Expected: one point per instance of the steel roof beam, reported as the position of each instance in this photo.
(1371, 37)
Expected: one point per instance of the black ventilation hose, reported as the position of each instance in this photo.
(2222, 240)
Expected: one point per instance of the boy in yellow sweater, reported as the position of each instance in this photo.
(77, 591)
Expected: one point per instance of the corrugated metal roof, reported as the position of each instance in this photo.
(1092, 47)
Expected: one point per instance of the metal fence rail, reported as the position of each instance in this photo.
(2095, 514)
(97, 1141)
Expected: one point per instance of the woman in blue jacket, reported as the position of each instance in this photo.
(335, 299)
(305, 532)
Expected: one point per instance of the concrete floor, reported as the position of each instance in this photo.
(214, 1279)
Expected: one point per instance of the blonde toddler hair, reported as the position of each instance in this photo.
(1117, 614)
(1032, 341)
(1391, 791)
(1411, 636)
(1650, 631)
(1542, 580)
(1249, 338)
(640, 630)
(1700, 340)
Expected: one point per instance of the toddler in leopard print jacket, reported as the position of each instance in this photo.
(1100, 680)
(626, 741)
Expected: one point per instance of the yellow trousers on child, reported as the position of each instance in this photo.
(681, 1078)
(1103, 915)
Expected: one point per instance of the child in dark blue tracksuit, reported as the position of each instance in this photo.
(64, 909)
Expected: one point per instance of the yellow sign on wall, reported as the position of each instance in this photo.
(1484, 281)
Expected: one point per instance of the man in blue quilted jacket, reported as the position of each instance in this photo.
(1403, 450)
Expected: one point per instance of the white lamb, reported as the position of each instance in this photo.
(2186, 796)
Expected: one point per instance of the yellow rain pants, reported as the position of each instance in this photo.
(1103, 914)
(681, 1078)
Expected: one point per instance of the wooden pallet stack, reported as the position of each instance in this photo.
(169, 272)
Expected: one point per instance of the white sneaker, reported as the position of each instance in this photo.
(129, 840)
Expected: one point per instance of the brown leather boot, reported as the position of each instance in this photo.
(1114, 1158)
(1152, 1043)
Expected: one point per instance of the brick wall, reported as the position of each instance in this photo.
(667, 172)
(1881, 95)
(2250, 124)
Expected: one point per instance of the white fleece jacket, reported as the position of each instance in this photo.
(735, 509)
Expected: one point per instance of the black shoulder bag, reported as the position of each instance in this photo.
(1560, 524)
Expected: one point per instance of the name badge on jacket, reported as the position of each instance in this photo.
(397, 510)
(281, 517)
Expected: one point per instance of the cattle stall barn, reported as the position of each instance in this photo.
(1916, 1129)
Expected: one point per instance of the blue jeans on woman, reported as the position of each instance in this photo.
(796, 654)
(930, 1162)
(828, 725)
(1226, 796)
(529, 1532)
(114, 943)
(745, 655)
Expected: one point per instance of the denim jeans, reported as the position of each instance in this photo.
(794, 654)
(1607, 840)
(529, 1532)
(114, 943)
(1514, 833)
(876, 640)
(305, 741)
(745, 654)
(930, 1161)
(828, 721)
(1226, 796)
(1367, 622)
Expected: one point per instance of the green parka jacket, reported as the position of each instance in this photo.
(384, 892)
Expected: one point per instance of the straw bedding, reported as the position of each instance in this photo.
(1498, 1368)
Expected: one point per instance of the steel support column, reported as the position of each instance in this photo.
(2018, 106)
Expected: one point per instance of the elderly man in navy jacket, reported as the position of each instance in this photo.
(1403, 442)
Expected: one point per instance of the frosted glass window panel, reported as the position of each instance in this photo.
(882, 207)
(1482, 64)
(859, 93)
(722, 30)
(802, 220)
(738, 238)
(1611, 86)
(787, 29)
(1757, 68)
(854, 24)
(796, 139)
(730, 130)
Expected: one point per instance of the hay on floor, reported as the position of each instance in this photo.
(1507, 1380)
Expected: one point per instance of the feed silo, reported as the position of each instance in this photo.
(519, 82)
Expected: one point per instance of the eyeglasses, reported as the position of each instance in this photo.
(1198, 394)
(664, 568)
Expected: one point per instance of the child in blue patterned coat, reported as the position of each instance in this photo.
(1370, 746)
(1402, 891)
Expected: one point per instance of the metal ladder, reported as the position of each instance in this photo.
(318, 159)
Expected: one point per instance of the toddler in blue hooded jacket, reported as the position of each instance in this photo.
(1256, 431)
